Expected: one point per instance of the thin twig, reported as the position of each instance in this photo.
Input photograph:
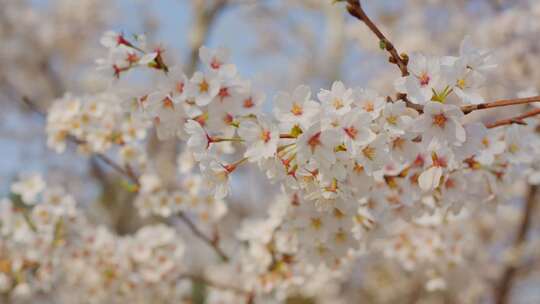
(33, 107)
(354, 7)
(419, 108)
(125, 172)
(514, 120)
(504, 286)
(499, 103)
(212, 243)
(482, 106)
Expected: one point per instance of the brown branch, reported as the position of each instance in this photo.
(499, 103)
(482, 106)
(514, 120)
(419, 108)
(504, 286)
(128, 173)
(212, 243)
(354, 7)
(33, 107)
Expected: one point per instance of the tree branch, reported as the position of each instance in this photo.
(514, 120)
(128, 173)
(354, 7)
(504, 286)
(197, 232)
(499, 103)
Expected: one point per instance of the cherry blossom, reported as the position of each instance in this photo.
(262, 138)
(442, 123)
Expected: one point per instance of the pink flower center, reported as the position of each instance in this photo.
(223, 93)
(168, 103)
(297, 109)
(228, 119)
(180, 87)
(419, 161)
(438, 161)
(369, 106)
(248, 103)
(424, 79)
(132, 58)
(314, 141)
(121, 40)
(265, 136)
(439, 120)
(351, 131)
(450, 183)
(215, 64)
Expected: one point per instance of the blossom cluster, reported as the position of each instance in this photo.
(190, 197)
(353, 155)
(47, 242)
(358, 169)
(96, 123)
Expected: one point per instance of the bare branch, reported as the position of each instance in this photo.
(128, 173)
(197, 232)
(499, 103)
(354, 7)
(514, 120)
(504, 286)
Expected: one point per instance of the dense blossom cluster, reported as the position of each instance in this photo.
(352, 158)
(48, 243)
(354, 165)
(360, 171)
